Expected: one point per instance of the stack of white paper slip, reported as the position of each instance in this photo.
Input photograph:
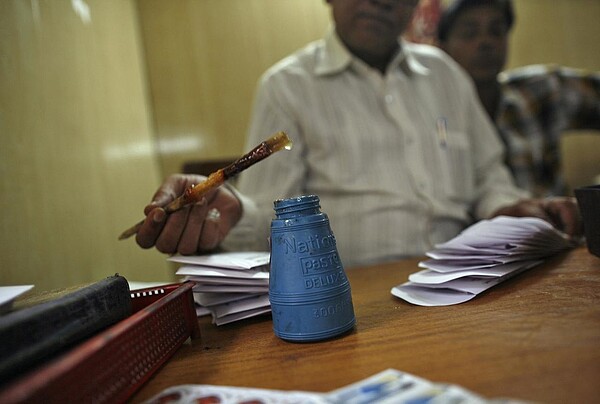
(480, 257)
(230, 286)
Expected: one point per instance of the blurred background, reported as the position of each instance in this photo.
(102, 99)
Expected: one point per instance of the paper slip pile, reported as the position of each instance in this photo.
(230, 286)
(482, 256)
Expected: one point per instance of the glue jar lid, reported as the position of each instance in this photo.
(297, 206)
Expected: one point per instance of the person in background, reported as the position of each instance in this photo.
(530, 106)
(390, 135)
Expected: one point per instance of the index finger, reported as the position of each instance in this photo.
(151, 228)
(167, 192)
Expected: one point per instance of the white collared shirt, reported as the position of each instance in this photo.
(400, 161)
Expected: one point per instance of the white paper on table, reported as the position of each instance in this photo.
(230, 288)
(476, 284)
(444, 262)
(9, 293)
(213, 299)
(254, 302)
(202, 311)
(461, 255)
(199, 393)
(504, 234)
(427, 276)
(456, 265)
(223, 278)
(483, 255)
(454, 291)
(395, 387)
(241, 315)
(228, 281)
(231, 260)
(261, 273)
(470, 284)
(390, 386)
(423, 296)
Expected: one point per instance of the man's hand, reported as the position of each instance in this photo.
(561, 212)
(195, 228)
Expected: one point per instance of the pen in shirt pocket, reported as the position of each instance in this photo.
(442, 131)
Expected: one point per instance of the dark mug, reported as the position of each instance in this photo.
(308, 289)
(588, 199)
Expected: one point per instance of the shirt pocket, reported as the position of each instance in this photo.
(455, 166)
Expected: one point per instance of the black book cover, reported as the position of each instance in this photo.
(32, 335)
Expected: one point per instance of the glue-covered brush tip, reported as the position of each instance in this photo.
(279, 141)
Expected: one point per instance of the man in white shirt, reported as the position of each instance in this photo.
(389, 135)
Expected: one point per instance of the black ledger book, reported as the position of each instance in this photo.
(32, 335)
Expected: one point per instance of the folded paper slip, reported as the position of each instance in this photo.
(229, 260)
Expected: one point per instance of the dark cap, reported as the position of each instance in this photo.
(450, 14)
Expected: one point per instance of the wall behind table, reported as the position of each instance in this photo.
(77, 160)
(565, 32)
(204, 59)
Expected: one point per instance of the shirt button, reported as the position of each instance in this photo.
(389, 98)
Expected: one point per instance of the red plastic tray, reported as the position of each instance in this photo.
(114, 364)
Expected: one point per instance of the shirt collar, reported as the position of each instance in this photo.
(335, 58)
(409, 62)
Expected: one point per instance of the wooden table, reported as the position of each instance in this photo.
(533, 337)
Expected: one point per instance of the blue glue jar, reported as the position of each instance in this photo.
(308, 289)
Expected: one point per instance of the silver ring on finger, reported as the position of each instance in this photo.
(213, 214)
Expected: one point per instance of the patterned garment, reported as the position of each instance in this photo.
(539, 103)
